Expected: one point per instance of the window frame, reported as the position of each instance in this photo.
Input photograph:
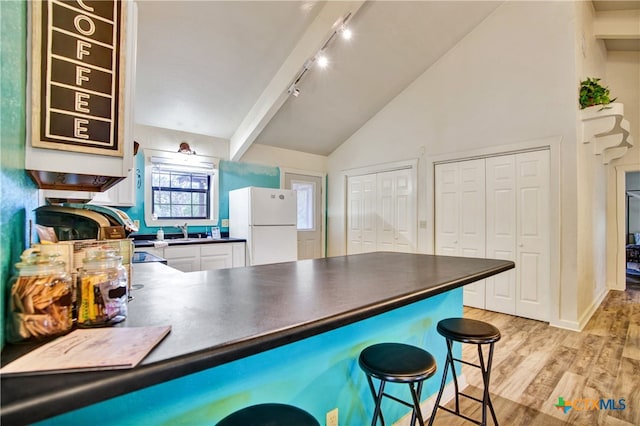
(187, 163)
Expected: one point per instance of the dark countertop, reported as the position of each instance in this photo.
(222, 315)
(176, 239)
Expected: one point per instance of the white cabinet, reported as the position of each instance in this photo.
(201, 257)
(498, 208)
(122, 194)
(216, 256)
(381, 212)
(185, 258)
(238, 258)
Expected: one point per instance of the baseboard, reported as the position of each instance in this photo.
(584, 319)
(427, 405)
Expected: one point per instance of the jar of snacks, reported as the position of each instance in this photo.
(40, 304)
(102, 289)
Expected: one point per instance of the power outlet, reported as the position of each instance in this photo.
(136, 222)
(225, 223)
(332, 417)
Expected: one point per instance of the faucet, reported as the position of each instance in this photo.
(185, 230)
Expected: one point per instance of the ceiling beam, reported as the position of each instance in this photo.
(275, 94)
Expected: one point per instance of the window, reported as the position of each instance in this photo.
(180, 188)
(304, 191)
(180, 194)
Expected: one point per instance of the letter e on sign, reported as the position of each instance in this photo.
(79, 131)
(81, 102)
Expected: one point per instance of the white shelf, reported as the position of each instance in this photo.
(607, 129)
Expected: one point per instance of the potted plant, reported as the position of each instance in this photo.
(593, 93)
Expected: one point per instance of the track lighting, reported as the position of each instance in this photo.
(320, 58)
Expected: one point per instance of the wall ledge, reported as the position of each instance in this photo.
(607, 130)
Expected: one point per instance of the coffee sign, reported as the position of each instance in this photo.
(77, 75)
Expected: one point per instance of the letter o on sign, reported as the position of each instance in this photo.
(83, 21)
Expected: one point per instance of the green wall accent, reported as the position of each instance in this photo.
(232, 175)
(18, 193)
(235, 175)
(317, 374)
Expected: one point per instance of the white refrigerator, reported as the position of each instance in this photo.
(267, 219)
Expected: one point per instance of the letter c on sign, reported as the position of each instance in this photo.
(84, 6)
(77, 22)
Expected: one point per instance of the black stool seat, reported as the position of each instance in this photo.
(468, 331)
(269, 415)
(399, 363)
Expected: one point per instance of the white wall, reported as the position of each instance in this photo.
(286, 158)
(169, 140)
(623, 78)
(510, 80)
(590, 278)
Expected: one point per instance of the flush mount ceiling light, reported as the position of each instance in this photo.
(320, 57)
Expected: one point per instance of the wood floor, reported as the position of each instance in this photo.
(535, 364)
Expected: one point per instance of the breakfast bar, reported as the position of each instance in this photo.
(247, 326)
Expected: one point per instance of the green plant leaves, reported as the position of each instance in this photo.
(593, 93)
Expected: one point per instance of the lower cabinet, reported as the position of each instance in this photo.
(201, 257)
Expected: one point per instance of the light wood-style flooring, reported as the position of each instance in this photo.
(535, 364)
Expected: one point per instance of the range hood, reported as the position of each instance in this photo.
(73, 181)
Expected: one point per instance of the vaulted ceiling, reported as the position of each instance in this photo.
(223, 68)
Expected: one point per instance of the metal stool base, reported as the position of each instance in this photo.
(486, 373)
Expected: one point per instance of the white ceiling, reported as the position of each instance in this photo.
(202, 65)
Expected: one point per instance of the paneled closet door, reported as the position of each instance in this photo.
(532, 258)
(460, 217)
(361, 217)
(501, 231)
(396, 211)
(472, 224)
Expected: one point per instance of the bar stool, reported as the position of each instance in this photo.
(480, 333)
(269, 415)
(399, 363)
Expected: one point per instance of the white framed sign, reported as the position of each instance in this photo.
(77, 77)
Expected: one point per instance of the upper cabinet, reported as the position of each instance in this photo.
(122, 194)
(81, 82)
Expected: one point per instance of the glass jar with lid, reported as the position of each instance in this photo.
(40, 304)
(102, 289)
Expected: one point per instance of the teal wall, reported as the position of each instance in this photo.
(232, 175)
(18, 194)
(317, 374)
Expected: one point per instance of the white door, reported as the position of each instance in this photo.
(361, 214)
(396, 227)
(501, 231)
(309, 201)
(447, 209)
(460, 217)
(532, 253)
(472, 224)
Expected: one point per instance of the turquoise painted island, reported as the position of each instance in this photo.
(288, 332)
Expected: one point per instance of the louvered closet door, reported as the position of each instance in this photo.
(361, 217)
(396, 211)
(501, 231)
(532, 251)
(460, 217)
